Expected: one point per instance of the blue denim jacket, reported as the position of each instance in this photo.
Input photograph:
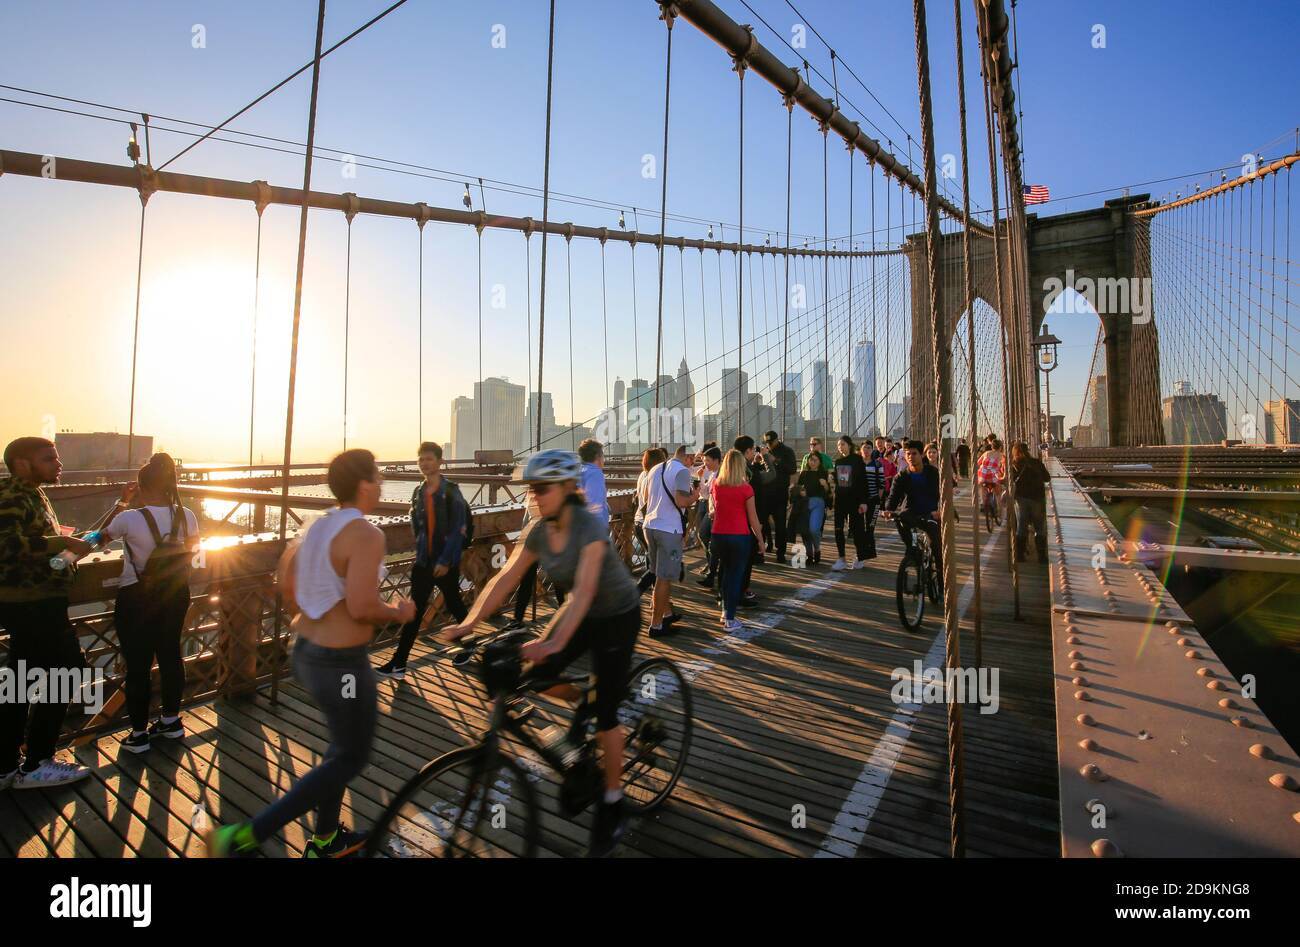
(443, 553)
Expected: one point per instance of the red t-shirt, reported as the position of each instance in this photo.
(729, 515)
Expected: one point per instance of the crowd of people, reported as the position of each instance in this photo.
(744, 504)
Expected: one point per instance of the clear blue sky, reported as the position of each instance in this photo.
(1179, 88)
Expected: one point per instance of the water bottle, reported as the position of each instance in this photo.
(67, 558)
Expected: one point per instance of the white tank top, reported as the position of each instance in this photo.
(319, 587)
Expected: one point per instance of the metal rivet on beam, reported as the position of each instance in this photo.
(1228, 703)
(1086, 720)
(1079, 681)
(1082, 695)
(1263, 752)
(1088, 743)
(1242, 722)
(1092, 772)
(1105, 848)
(1284, 781)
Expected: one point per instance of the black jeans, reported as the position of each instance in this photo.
(149, 629)
(773, 507)
(908, 521)
(864, 546)
(342, 682)
(41, 637)
(1031, 512)
(423, 583)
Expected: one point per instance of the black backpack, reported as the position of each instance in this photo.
(469, 513)
(167, 571)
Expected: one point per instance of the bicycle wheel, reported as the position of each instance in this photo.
(910, 591)
(656, 717)
(469, 803)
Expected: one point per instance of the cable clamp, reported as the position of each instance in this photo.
(424, 214)
(528, 227)
(668, 12)
(482, 222)
(568, 232)
(852, 143)
(353, 206)
(263, 198)
(740, 61)
(147, 183)
(604, 235)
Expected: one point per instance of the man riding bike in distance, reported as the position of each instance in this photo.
(917, 485)
(601, 614)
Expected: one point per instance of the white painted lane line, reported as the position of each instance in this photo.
(854, 818)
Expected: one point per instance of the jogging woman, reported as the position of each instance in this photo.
(332, 577)
(736, 530)
(601, 615)
(152, 599)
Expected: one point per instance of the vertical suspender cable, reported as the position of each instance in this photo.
(942, 395)
(968, 273)
(824, 403)
(419, 347)
(568, 268)
(740, 242)
(480, 396)
(135, 332)
(667, 14)
(546, 208)
(604, 330)
(347, 319)
(785, 332)
(297, 322)
(850, 409)
(257, 289)
(528, 313)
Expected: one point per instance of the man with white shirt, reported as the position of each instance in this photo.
(592, 454)
(669, 493)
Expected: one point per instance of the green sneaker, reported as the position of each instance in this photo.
(342, 844)
(232, 841)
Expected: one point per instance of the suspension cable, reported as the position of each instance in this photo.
(666, 14)
(546, 207)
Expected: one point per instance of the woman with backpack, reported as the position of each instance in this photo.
(159, 537)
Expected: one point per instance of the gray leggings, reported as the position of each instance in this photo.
(343, 684)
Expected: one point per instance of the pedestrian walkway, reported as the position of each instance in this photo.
(798, 748)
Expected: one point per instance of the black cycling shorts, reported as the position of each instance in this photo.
(610, 641)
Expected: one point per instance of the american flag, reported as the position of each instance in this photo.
(1036, 193)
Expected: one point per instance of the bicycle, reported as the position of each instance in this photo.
(990, 505)
(480, 801)
(917, 581)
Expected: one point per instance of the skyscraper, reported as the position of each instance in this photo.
(895, 419)
(819, 407)
(464, 429)
(529, 433)
(640, 402)
(864, 381)
(1189, 418)
(848, 418)
(1282, 421)
(501, 406)
(734, 394)
(618, 405)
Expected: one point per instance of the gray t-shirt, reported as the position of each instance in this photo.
(616, 592)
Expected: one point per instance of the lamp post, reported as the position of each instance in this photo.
(1045, 352)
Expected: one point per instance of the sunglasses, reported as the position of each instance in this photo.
(539, 489)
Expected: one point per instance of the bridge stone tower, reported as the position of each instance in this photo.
(1094, 248)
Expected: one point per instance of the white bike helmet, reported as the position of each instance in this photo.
(552, 466)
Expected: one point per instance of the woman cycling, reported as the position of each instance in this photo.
(735, 531)
(991, 471)
(601, 615)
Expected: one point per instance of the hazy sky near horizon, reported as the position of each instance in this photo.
(1180, 90)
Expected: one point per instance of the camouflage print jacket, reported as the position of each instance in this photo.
(29, 537)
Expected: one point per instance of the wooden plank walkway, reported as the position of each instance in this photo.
(795, 712)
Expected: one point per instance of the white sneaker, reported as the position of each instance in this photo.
(839, 565)
(860, 564)
(51, 773)
(734, 624)
(7, 779)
